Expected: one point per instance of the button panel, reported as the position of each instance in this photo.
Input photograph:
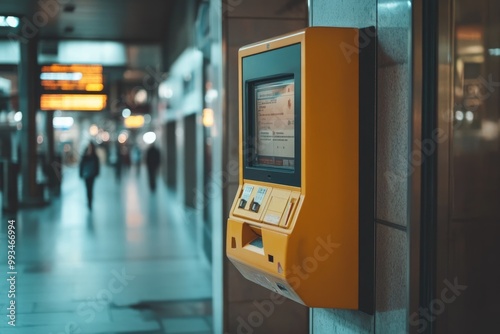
(255, 207)
(260, 195)
(251, 201)
(270, 205)
(247, 191)
(242, 203)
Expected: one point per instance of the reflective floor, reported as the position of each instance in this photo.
(131, 265)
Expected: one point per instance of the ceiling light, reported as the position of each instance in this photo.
(18, 116)
(105, 136)
(149, 137)
(122, 138)
(134, 122)
(9, 21)
(62, 122)
(141, 96)
(93, 130)
(208, 117)
(12, 21)
(494, 52)
(126, 113)
(469, 116)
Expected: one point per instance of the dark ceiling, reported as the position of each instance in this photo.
(117, 20)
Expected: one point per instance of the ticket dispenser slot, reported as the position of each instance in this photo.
(301, 223)
(253, 239)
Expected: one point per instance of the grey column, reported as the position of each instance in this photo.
(52, 167)
(28, 77)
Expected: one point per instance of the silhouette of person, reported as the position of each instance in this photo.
(119, 162)
(89, 169)
(152, 162)
(135, 157)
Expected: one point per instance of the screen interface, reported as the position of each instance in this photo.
(275, 124)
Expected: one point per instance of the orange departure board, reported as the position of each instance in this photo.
(84, 78)
(73, 102)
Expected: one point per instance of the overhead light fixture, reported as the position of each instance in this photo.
(141, 96)
(18, 116)
(9, 21)
(122, 138)
(134, 122)
(105, 136)
(12, 21)
(494, 52)
(62, 122)
(149, 137)
(93, 130)
(126, 113)
(469, 116)
(208, 117)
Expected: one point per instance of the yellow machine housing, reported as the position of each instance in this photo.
(313, 243)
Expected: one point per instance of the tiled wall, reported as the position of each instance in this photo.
(393, 166)
(393, 22)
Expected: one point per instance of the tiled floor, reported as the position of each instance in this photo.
(131, 265)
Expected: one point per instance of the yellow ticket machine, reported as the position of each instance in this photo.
(302, 221)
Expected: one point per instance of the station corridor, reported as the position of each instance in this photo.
(129, 265)
(323, 166)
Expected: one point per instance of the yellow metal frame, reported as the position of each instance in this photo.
(313, 257)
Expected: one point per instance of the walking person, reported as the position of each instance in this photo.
(89, 169)
(152, 162)
(135, 156)
(118, 164)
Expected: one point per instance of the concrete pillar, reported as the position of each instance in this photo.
(49, 131)
(52, 164)
(28, 80)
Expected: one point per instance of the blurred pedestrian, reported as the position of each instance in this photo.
(118, 162)
(136, 158)
(89, 169)
(125, 155)
(152, 162)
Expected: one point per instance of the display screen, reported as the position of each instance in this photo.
(275, 124)
(271, 113)
(81, 78)
(73, 102)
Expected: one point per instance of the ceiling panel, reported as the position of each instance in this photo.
(119, 20)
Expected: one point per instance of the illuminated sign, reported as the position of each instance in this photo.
(62, 123)
(73, 102)
(85, 78)
(134, 122)
(208, 117)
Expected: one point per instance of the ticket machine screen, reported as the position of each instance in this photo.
(275, 124)
(271, 85)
